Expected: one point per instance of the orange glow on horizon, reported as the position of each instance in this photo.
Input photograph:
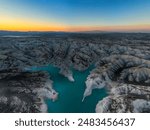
(33, 27)
(14, 24)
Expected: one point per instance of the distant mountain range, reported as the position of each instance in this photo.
(93, 31)
(35, 33)
(29, 33)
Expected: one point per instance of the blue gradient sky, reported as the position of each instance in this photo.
(74, 14)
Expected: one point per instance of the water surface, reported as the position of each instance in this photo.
(71, 93)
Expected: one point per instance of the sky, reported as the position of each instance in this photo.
(75, 15)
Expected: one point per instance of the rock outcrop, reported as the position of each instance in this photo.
(127, 80)
(25, 91)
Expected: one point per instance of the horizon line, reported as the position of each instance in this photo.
(86, 31)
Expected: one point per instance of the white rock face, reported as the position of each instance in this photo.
(70, 78)
(97, 79)
(103, 105)
(67, 73)
(43, 107)
(47, 91)
(141, 105)
(93, 83)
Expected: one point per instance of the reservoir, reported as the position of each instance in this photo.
(71, 93)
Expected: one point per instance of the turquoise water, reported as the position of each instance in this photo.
(71, 93)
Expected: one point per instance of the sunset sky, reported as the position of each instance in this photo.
(75, 15)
